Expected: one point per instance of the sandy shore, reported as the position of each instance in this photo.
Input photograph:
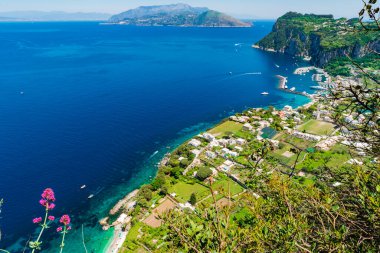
(117, 241)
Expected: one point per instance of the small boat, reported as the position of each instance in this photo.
(277, 65)
(91, 196)
(264, 93)
(293, 88)
(83, 186)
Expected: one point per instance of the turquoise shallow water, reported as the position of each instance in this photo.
(88, 104)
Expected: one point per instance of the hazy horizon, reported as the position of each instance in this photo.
(253, 9)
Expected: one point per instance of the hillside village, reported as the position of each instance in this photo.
(290, 141)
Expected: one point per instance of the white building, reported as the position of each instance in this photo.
(195, 143)
(240, 141)
(210, 154)
(247, 127)
(288, 108)
(208, 137)
(227, 165)
(196, 152)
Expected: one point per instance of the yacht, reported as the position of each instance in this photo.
(264, 93)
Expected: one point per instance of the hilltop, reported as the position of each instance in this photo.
(176, 15)
(319, 37)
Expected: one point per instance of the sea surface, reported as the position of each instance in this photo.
(90, 104)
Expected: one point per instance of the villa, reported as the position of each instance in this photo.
(195, 143)
(196, 152)
(210, 154)
(226, 166)
(240, 141)
(247, 127)
(208, 137)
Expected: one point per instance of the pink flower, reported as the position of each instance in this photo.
(37, 220)
(69, 228)
(51, 218)
(48, 194)
(59, 229)
(65, 219)
(51, 206)
(43, 202)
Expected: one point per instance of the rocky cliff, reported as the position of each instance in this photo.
(320, 37)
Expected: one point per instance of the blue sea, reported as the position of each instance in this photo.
(90, 104)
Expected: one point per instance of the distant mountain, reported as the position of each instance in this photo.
(52, 16)
(176, 15)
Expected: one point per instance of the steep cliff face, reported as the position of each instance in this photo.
(319, 37)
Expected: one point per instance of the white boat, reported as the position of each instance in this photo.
(277, 65)
(264, 93)
(83, 186)
(293, 88)
(91, 196)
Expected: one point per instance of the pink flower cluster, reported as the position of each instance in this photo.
(47, 198)
(51, 218)
(65, 219)
(37, 220)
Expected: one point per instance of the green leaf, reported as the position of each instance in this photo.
(378, 188)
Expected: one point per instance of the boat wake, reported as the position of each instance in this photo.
(155, 153)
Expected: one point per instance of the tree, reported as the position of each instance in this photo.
(158, 182)
(146, 192)
(203, 173)
(193, 199)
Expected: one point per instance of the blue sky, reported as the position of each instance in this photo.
(239, 8)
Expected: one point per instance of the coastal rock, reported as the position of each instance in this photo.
(123, 202)
(318, 37)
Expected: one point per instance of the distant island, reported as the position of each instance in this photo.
(176, 15)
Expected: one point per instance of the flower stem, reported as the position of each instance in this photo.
(63, 239)
(3, 250)
(43, 226)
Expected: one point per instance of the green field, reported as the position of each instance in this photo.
(184, 190)
(226, 127)
(317, 127)
(226, 185)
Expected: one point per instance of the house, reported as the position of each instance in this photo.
(247, 127)
(297, 120)
(240, 149)
(288, 108)
(223, 142)
(306, 136)
(214, 143)
(281, 114)
(196, 152)
(210, 154)
(195, 143)
(208, 137)
(264, 124)
(231, 142)
(226, 151)
(240, 141)
(226, 166)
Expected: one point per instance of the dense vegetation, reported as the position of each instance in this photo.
(321, 37)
